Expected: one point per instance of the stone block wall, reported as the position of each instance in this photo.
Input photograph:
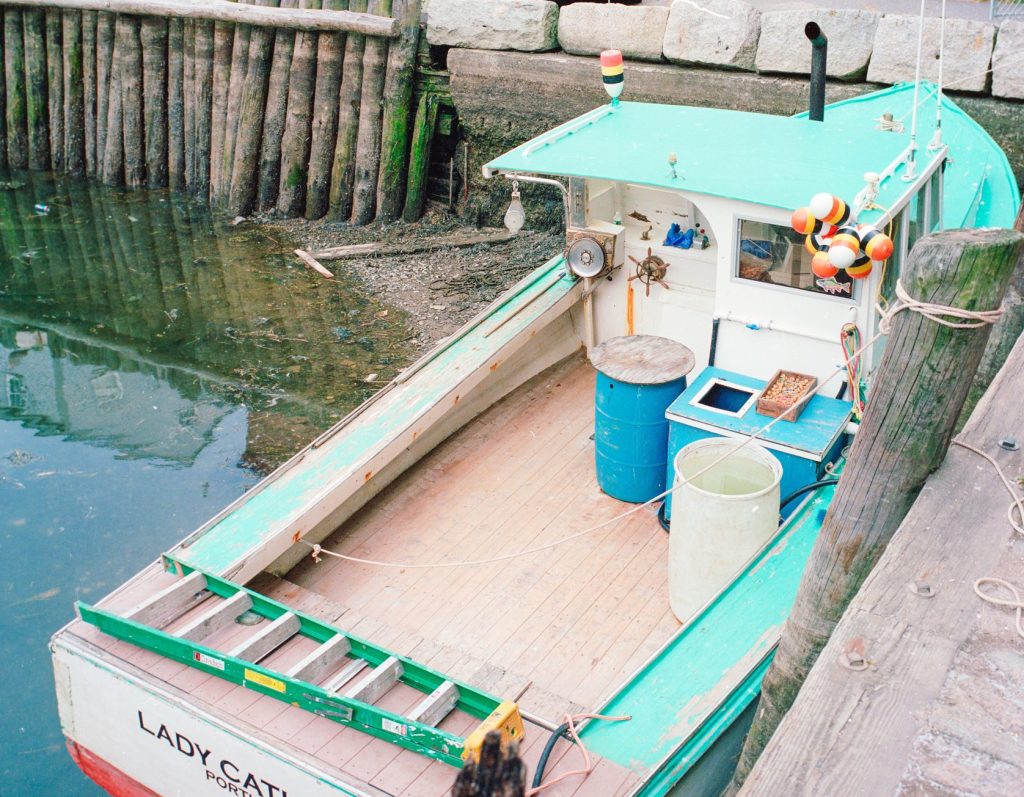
(735, 35)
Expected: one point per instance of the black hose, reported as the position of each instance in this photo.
(806, 489)
(558, 733)
(661, 516)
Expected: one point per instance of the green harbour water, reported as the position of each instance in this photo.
(154, 362)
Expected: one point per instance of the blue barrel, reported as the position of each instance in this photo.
(638, 378)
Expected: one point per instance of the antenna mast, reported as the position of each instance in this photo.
(911, 172)
(937, 137)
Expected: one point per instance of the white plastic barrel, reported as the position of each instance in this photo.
(720, 518)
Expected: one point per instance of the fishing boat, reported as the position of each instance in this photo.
(478, 548)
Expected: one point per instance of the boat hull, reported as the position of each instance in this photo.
(136, 739)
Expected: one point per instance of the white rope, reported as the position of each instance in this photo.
(1015, 603)
(934, 312)
(1018, 502)
(972, 319)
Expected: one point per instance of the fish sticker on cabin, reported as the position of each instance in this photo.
(834, 286)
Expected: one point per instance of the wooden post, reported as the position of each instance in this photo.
(344, 165)
(419, 156)
(113, 153)
(130, 62)
(154, 81)
(35, 95)
(188, 71)
(245, 169)
(202, 91)
(368, 139)
(74, 97)
(223, 42)
(3, 102)
(397, 99)
(274, 116)
(104, 66)
(176, 104)
(89, 89)
(1004, 335)
(919, 389)
(291, 194)
(14, 73)
(330, 51)
(236, 85)
(55, 86)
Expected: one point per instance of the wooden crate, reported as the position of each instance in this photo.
(774, 407)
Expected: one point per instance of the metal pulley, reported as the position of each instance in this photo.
(586, 257)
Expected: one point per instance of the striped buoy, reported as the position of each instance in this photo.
(876, 244)
(830, 209)
(804, 222)
(822, 266)
(845, 247)
(612, 70)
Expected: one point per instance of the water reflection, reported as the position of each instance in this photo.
(123, 300)
(150, 360)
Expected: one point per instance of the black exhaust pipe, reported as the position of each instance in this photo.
(819, 54)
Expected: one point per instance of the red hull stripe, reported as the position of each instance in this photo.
(108, 777)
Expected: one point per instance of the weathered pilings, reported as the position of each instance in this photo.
(303, 106)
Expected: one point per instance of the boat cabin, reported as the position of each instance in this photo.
(711, 193)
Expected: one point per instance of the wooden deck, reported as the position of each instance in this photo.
(939, 710)
(572, 622)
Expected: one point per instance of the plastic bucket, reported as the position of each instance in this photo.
(720, 518)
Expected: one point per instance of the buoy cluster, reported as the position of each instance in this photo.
(836, 241)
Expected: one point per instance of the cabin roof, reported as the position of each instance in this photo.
(771, 160)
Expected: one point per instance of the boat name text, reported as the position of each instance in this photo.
(225, 773)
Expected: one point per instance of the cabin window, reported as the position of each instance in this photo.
(935, 200)
(915, 219)
(774, 254)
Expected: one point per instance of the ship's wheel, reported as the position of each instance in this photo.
(651, 269)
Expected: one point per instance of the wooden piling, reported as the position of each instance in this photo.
(419, 156)
(104, 64)
(368, 137)
(14, 78)
(3, 103)
(245, 167)
(55, 86)
(89, 90)
(291, 194)
(918, 392)
(397, 99)
(130, 63)
(188, 99)
(74, 93)
(236, 85)
(36, 107)
(176, 104)
(274, 116)
(223, 40)
(154, 79)
(202, 91)
(113, 153)
(344, 164)
(330, 51)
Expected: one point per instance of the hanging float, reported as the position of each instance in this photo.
(837, 242)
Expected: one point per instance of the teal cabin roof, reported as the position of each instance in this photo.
(767, 160)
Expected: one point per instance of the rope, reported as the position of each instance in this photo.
(849, 340)
(588, 765)
(971, 319)
(1018, 502)
(933, 312)
(1016, 603)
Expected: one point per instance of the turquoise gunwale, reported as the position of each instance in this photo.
(261, 514)
(685, 697)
